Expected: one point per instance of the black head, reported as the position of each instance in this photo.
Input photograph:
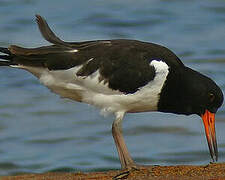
(189, 92)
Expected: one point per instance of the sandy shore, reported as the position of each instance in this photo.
(212, 171)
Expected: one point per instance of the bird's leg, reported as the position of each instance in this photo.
(124, 155)
(126, 161)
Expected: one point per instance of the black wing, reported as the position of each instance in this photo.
(123, 64)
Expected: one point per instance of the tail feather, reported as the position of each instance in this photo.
(5, 60)
(47, 33)
(5, 50)
(5, 63)
(6, 57)
(50, 36)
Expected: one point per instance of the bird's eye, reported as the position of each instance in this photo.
(211, 97)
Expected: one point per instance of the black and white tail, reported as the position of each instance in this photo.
(5, 57)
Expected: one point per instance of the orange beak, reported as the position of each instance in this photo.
(209, 123)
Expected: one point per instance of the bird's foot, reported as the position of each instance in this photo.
(128, 170)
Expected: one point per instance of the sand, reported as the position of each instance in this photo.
(211, 171)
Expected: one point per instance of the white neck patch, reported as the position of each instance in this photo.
(160, 67)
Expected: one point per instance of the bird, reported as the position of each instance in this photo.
(120, 76)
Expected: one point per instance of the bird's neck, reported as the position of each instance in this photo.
(175, 96)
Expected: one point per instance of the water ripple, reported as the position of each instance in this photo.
(39, 132)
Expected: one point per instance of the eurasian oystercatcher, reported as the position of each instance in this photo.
(120, 76)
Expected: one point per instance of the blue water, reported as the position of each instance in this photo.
(39, 132)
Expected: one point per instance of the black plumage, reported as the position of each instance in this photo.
(137, 77)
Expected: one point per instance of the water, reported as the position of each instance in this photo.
(39, 132)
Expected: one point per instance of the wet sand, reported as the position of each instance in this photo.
(211, 171)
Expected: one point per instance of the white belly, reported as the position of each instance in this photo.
(89, 90)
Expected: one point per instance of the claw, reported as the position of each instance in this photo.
(123, 175)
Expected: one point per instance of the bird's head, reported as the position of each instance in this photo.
(189, 92)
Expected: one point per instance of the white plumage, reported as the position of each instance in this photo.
(92, 91)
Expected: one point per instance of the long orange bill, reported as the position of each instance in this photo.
(209, 123)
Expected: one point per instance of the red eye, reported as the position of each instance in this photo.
(211, 97)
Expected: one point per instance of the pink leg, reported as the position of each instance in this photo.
(124, 155)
